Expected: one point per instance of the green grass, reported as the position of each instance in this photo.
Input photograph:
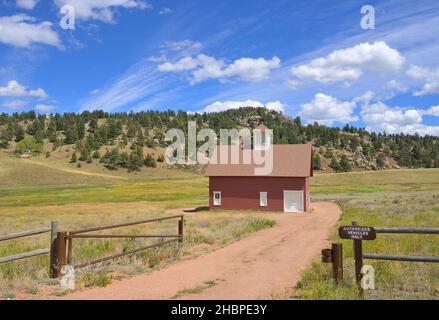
(77, 206)
(31, 195)
(415, 204)
(375, 181)
(154, 190)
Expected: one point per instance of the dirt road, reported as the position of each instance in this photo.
(256, 267)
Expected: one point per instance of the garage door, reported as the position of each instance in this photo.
(293, 201)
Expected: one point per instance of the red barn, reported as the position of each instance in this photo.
(286, 188)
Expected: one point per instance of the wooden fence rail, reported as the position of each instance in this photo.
(23, 234)
(61, 242)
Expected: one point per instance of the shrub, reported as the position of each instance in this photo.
(328, 154)
(29, 145)
(74, 158)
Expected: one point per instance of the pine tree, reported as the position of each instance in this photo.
(74, 158)
(381, 160)
(135, 161)
(316, 162)
(334, 164)
(19, 133)
(150, 162)
(344, 165)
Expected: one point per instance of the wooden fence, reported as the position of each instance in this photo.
(61, 242)
(53, 230)
(359, 234)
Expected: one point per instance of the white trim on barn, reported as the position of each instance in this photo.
(216, 201)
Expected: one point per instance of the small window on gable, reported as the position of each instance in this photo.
(217, 198)
(263, 201)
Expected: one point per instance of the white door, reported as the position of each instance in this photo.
(293, 201)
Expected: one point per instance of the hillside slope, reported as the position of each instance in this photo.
(107, 142)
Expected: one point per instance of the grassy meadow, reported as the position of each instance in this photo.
(395, 198)
(35, 191)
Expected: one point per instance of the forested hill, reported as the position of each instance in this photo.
(125, 140)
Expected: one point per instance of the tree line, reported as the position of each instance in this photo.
(90, 130)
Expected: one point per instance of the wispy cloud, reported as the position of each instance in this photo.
(164, 11)
(102, 10)
(140, 81)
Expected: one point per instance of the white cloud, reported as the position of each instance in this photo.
(165, 11)
(211, 68)
(184, 64)
(44, 108)
(14, 89)
(429, 76)
(157, 59)
(186, 46)
(292, 83)
(380, 117)
(207, 67)
(252, 69)
(15, 104)
(395, 85)
(365, 98)
(26, 4)
(348, 64)
(102, 10)
(326, 110)
(22, 31)
(95, 91)
(227, 105)
(433, 111)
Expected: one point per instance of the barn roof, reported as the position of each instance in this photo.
(289, 160)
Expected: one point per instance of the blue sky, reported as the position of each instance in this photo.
(305, 58)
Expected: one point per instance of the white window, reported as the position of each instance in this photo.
(263, 199)
(217, 198)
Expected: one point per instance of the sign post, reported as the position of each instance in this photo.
(357, 234)
(358, 255)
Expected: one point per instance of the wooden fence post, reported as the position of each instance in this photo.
(180, 229)
(337, 262)
(53, 237)
(60, 253)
